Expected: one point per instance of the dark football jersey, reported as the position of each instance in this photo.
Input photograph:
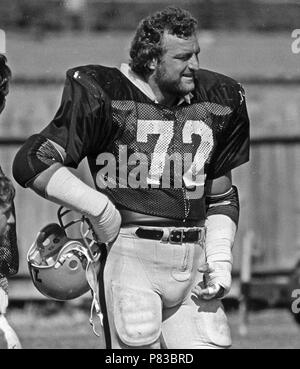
(147, 157)
(9, 256)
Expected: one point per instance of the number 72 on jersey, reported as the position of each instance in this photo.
(194, 169)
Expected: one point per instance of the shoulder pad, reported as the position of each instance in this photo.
(88, 77)
(95, 77)
(228, 89)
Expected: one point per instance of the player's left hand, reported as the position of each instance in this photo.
(209, 291)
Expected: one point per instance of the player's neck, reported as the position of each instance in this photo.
(162, 97)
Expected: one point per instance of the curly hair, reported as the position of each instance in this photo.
(147, 42)
(5, 75)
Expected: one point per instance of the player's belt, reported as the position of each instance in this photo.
(177, 236)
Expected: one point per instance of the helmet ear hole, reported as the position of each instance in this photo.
(50, 240)
(73, 264)
(46, 242)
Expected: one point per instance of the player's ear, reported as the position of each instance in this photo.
(152, 64)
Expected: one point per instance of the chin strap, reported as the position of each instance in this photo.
(95, 281)
(91, 276)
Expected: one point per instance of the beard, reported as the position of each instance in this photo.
(175, 87)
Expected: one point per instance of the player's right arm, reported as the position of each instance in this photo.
(43, 162)
(58, 184)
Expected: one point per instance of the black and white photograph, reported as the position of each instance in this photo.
(149, 177)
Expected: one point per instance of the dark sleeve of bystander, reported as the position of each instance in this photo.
(9, 258)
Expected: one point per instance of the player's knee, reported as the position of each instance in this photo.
(137, 316)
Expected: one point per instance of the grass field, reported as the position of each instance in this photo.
(70, 329)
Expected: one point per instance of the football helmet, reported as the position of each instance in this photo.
(62, 267)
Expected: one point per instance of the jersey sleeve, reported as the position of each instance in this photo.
(233, 144)
(81, 124)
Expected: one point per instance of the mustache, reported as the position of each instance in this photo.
(188, 74)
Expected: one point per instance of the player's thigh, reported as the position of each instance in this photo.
(134, 309)
(196, 324)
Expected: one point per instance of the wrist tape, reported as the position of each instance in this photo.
(66, 189)
(220, 234)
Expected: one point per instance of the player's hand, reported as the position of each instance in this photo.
(107, 225)
(209, 291)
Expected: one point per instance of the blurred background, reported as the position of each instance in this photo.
(253, 41)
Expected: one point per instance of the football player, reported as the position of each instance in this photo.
(9, 259)
(161, 137)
